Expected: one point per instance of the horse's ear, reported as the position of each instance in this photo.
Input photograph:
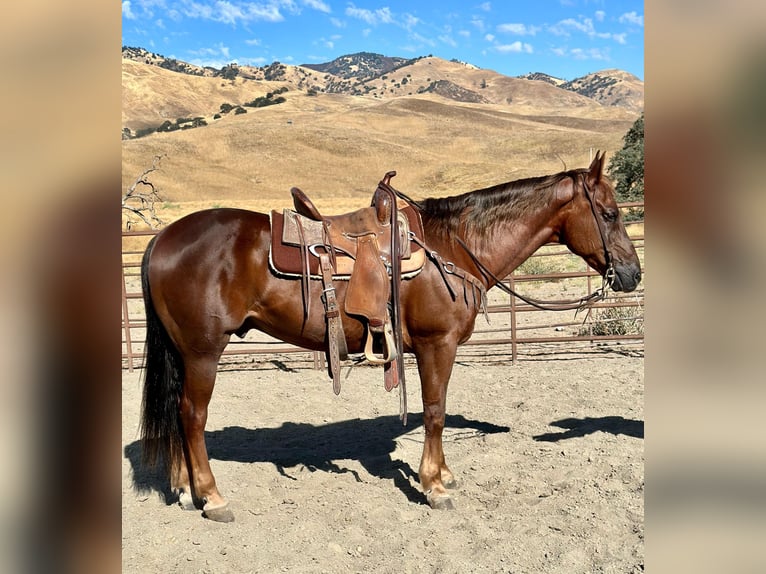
(596, 168)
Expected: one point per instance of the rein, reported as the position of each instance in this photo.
(566, 305)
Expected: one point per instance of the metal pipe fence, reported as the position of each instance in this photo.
(551, 273)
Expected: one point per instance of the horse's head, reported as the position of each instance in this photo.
(594, 230)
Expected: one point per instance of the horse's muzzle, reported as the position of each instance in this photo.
(626, 278)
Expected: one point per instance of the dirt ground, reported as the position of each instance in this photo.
(548, 452)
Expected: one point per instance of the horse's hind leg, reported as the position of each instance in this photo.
(180, 483)
(199, 381)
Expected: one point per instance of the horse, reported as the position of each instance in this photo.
(206, 277)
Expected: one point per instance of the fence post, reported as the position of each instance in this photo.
(126, 321)
(512, 285)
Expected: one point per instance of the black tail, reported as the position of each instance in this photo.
(161, 432)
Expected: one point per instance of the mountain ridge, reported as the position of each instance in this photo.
(379, 76)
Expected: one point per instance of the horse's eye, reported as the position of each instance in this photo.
(610, 215)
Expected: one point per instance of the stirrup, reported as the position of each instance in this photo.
(389, 347)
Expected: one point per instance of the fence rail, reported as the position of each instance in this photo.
(512, 323)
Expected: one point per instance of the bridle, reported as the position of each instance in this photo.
(562, 305)
(610, 271)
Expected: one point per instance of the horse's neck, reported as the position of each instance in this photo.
(509, 244)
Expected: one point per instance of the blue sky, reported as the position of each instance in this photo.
(564, 38)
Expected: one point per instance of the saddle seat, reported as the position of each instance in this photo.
(339, 235)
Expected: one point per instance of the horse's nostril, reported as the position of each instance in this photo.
(637, 276)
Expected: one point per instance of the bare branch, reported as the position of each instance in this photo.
(139, 201)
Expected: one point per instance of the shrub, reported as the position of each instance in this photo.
(613, 321)
(537, 266)
(141, 132)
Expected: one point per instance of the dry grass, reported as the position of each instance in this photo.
(336, 147)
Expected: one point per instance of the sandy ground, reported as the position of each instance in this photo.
(548, 452)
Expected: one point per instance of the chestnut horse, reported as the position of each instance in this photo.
(207, 276)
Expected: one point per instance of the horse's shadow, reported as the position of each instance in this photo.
(588, 425)
(315, 447)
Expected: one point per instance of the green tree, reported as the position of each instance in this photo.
(626, 168)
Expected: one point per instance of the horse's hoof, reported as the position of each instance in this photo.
(185, 500)
(219, 513)
(441, 502)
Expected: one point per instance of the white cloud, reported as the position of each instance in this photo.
(585, 26)
(196, 10)
(228, 13)
(127, 12)
(423, 40)
(212, 56)
(600, 15)
(337, 23)
(518, 29)
(318, 5)
(465, 33)
(478, 23)
(410, 21)
(231, 13)
(329, 43)
(448, 40)
(371, 17)
(486, 6)
(489, 38)
(516, 48)
(253, 42)
(631, 18)
(590, 54)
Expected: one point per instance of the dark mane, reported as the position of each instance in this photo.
(477, 211)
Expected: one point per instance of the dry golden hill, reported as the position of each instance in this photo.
(152, 95)
(336, 148)
(489, 85)
(611, 88)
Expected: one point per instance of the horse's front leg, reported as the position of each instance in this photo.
(435, 360)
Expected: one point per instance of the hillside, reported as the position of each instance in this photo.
(472, 129)
(610, 88)
(359, 66)
(554, 81)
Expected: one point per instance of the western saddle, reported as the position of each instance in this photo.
(371, 248)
